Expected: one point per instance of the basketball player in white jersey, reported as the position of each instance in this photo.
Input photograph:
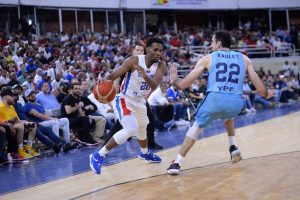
(143, 73)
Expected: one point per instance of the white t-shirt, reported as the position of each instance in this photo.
(157, 98)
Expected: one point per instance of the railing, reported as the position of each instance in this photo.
(252, 51)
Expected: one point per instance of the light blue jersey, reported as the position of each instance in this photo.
(225, 87)
(227, 72)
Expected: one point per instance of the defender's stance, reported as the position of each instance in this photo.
(227, 70)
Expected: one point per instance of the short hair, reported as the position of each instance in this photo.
(74, 84)
(224, 37)
(154, 40)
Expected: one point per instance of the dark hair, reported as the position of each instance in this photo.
(154, 40)
(74, 84)
(224, 37)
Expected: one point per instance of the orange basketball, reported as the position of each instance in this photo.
(104, 91)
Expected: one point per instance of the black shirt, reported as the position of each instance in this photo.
(69, 100)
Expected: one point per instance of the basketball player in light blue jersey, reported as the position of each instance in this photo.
(227, 70)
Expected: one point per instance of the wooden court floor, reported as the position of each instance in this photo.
(270, 170)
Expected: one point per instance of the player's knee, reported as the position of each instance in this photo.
(194, 131)
(124, 134)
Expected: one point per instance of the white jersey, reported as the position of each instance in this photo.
(134, 87)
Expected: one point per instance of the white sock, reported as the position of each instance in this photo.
(144, 150)
(20, 146)
(232, 140)
(179, 159)
(103, 151)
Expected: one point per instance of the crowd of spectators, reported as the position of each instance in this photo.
(46, 84)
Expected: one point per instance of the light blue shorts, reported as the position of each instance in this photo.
(218, 106)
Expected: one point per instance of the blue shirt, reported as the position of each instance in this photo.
(29, 106)
(227, 72)
(172, 94)
(47, 101)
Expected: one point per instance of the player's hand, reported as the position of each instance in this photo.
(271, 93)
(140, 70)
(173, 74)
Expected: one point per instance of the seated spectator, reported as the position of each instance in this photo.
(29, 82)
(37, 114)
(161, 108)
(18, 127)
(180, 106)
(72, 108)
(63, 91)
(45, 134)
(247, 93)
(45, 78)
(48, 101)
(89, 110)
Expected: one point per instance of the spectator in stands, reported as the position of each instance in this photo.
(180, 106)
(13, 79)
(71, 74)
(29, 83)
(47, 100)
(38, 76)
(286, 68)
(63, 91)
(162, 110)
(295, 69)
(37, 114)
(247, 96)
(98, 122)
(31, 66)
(43, 133)
(19, 127)
(45, 78)
(72, 108)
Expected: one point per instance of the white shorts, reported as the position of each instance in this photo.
(123, 107)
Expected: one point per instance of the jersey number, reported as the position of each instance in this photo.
(144, 86)
(234, 71)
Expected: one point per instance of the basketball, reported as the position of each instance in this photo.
(104, 91)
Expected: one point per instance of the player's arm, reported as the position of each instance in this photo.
(260, 88)
(125, 67)
(191, 77)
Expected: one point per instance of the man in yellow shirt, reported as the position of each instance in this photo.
(9, 115)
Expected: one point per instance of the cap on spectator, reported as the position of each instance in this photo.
(281, 76)
(28, 92)
(29, 77)
(16, 86)
(7, 92)
(20, 49)
(30, 59)
(44, 73)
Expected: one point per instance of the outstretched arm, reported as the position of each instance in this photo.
(191, 77)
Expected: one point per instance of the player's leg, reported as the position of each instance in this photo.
(130, 128)
(234, 151)
(143, 121)
(189, 140)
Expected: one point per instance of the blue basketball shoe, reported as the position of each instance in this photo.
(150, 157)
(96, 162)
